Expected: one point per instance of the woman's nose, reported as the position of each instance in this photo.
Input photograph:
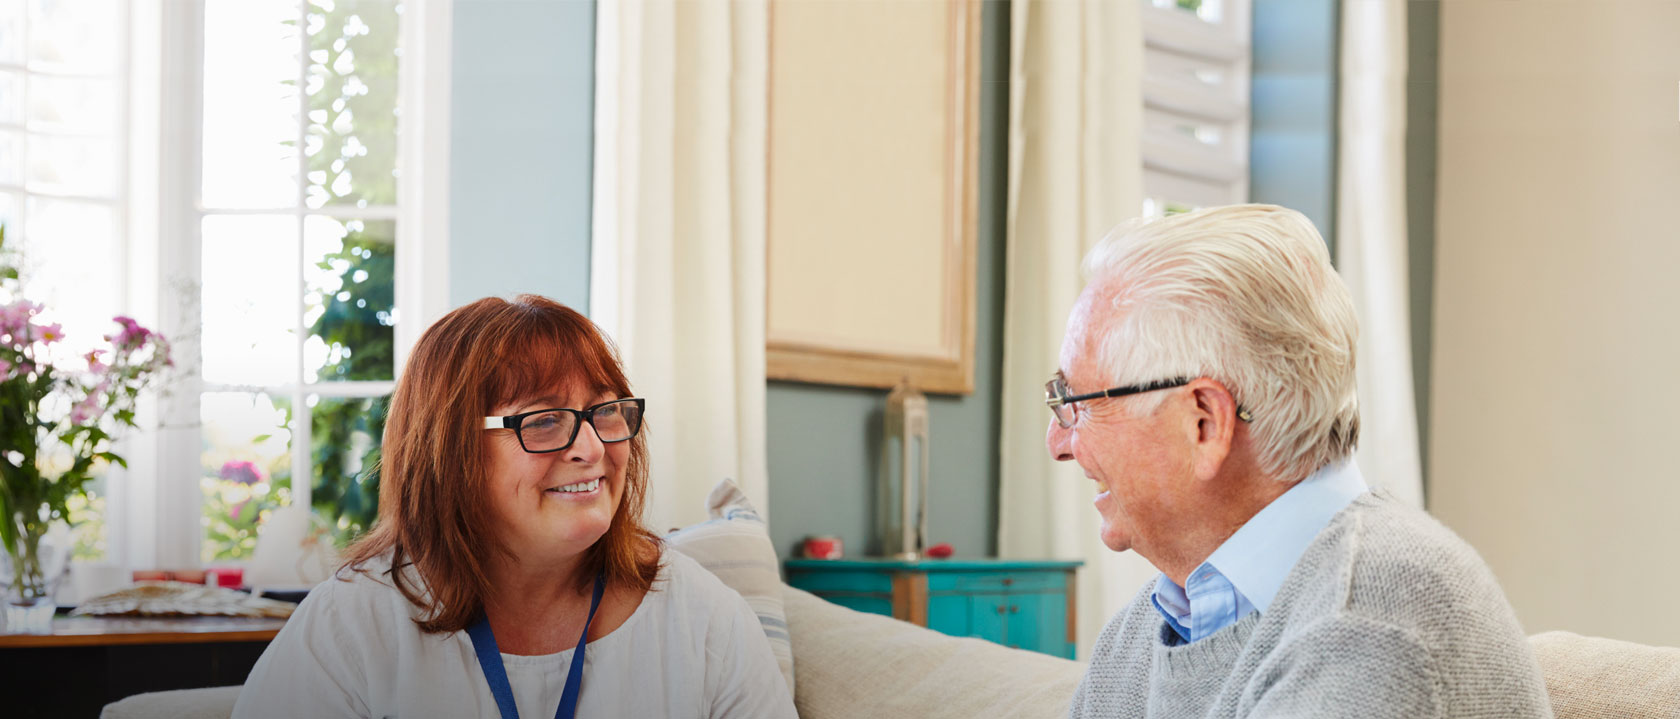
(587, 447)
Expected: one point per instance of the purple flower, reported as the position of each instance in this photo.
(241, 471)
(132, 336)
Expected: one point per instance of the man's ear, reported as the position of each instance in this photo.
(1215, 414)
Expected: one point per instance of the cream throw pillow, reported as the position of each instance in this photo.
(1598, 678)
(735, 545)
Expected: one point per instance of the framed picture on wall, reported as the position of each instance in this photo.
(873, 135)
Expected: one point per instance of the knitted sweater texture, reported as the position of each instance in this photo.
(1386, 614)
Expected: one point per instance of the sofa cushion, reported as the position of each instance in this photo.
(214, 703)
(735, 545)
(853, 664)
(1596, 678)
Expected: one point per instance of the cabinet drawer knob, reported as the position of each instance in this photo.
(1007, 581)
(1002, 609)
(1014, 609)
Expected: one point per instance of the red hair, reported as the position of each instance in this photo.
(434, 507)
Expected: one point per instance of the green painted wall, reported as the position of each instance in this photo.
(824, 442)
(1292, 148)
(1423, 25)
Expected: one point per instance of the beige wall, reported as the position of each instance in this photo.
(1556, 400)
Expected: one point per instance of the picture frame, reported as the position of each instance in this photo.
(873, 133)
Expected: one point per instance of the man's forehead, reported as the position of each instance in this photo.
(1093, 314)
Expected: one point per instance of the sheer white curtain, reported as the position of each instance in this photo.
(1075, 118)
(1371, 239)
(677, 276)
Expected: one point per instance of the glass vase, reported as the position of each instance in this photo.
(32, 572)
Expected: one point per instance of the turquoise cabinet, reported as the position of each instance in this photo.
(1023, 604)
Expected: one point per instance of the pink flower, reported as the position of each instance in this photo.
(241, 471)
(51, 333)
(86, 411)
(14, 318)
(94, 365)
(233, 512)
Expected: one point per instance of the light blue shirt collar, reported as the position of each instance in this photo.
(1245, 573)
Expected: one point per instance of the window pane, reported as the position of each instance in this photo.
(72, 104)
(246, 468)
(11, 33)
(11, 158)
(72, 166)
(11, 96)
(345, 436)
(250, 103)
(87, 518)
(1207, 10)
(352, 141)
(9, 205)
(250, 299)
(348, 303)
(70, 253)
(73, 35)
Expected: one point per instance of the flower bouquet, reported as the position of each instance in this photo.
(60, 411)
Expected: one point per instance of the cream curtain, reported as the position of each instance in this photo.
(1371, 239)
(677, 269)
(1075, 171)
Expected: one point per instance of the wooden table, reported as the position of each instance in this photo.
(112, 631)
(88, 662)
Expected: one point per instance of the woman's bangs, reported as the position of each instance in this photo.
(548, 361)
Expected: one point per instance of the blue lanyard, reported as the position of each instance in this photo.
(490, 659)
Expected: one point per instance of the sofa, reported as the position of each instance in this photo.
(850, 664)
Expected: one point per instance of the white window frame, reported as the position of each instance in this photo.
(160, 511)
(1179, 168)
(117, 199)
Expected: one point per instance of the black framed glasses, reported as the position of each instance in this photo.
(552, 430)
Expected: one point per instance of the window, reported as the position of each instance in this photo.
(298, 250)
(1196, 103)
(62, 186)
(264, 181)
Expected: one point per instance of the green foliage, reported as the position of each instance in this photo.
(346, 489)
(352, 111)
(352, 87)
(345, 432)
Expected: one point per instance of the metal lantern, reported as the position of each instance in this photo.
(901, 504)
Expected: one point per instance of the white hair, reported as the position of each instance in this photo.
(1244, 295)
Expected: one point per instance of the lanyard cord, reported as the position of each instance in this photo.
(490, 660)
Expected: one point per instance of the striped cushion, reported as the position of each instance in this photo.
(735, 545)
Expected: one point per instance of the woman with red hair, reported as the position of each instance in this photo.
(508, 572)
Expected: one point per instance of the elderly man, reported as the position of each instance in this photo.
(1207, 387)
